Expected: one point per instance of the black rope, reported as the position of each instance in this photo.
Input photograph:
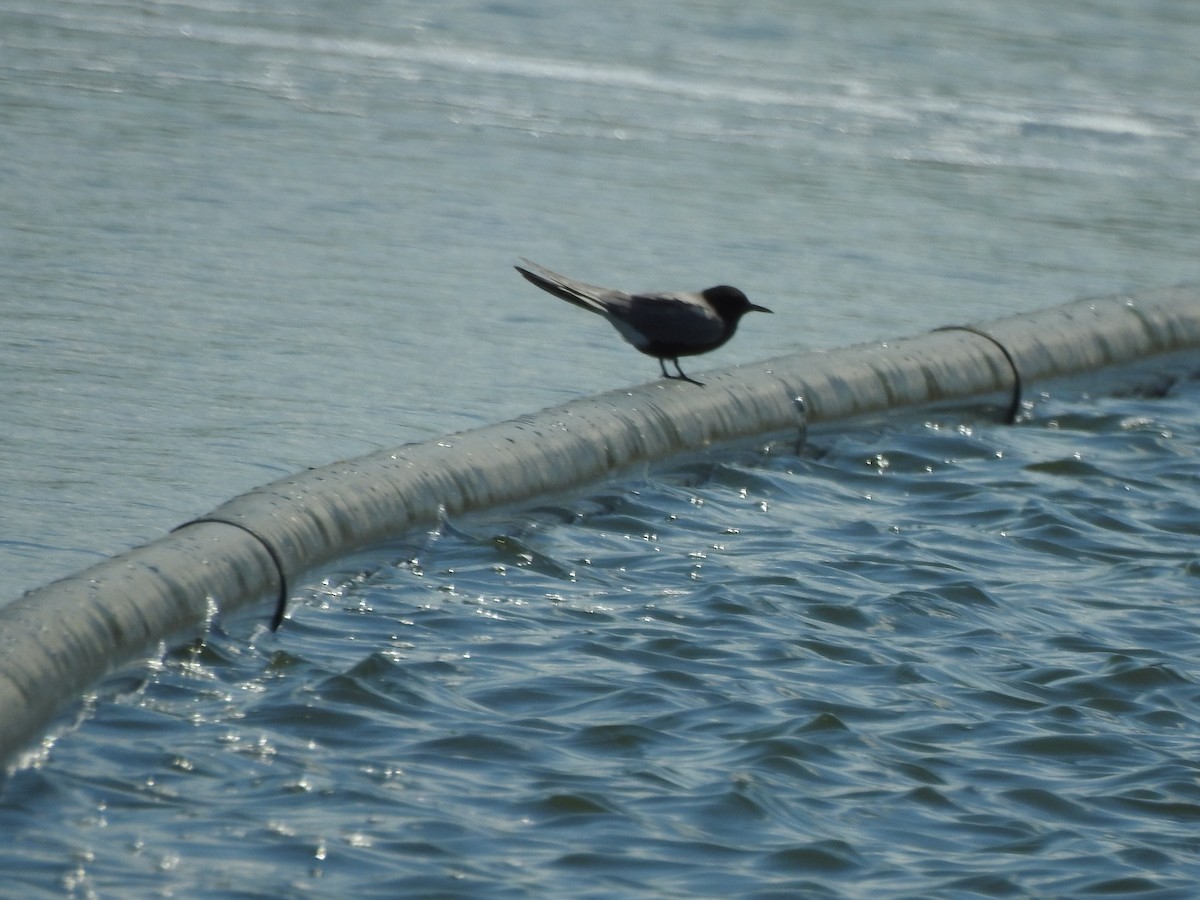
(1014, 407)
(282, 599)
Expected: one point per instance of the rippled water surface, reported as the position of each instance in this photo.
(927, 658)
(920, 658)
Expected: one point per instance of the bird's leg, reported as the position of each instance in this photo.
(680, 376)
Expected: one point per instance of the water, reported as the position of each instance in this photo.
(942, 658)
(238, 241)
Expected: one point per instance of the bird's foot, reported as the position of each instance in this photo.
(662, 364)
(682, 377)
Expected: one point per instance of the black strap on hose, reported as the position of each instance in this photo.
(282, 599)
(1014, 407)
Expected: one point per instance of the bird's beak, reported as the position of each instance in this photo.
(756, 308)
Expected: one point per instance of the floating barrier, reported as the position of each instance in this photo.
(59, 639)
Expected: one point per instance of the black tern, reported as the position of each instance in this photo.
(662, 325)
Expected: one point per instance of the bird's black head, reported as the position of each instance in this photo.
(730, 303)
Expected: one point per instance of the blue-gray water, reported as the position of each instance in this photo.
(922, 659)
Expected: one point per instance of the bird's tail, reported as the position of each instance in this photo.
(585, 295)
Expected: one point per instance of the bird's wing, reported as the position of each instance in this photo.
(589, 296)
(676, 319)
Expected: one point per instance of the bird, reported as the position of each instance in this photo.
(663, 325)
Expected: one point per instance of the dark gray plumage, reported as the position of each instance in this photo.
(662, 325)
